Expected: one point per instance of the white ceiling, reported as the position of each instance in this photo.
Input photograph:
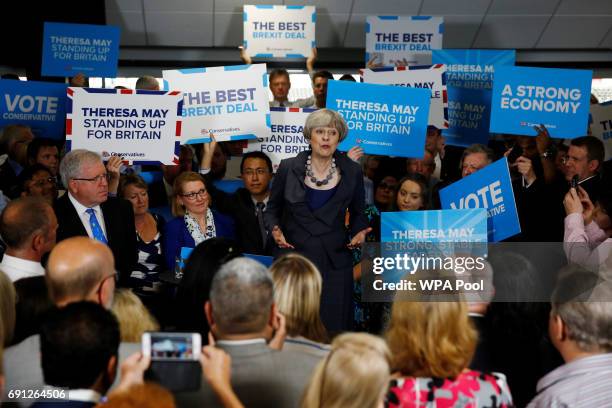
(522, 24)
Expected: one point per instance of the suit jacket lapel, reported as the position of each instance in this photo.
(73, 223)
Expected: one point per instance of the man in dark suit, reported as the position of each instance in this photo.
(87, 210)
(247, 205)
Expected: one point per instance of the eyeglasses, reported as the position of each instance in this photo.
(97, 179)
(192, 195)
(386, 186)
(251, 172)
(42, 182)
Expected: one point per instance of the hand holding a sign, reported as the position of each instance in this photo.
(112, 168)
(244, 55)
(279, 238)
(543, 140)
(208, 152)
(355, 153)
(525, 167)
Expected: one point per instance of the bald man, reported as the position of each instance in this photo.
(79, 268)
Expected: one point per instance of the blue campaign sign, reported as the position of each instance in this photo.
(488, 188)
(472, 69)
(382, 119)
(69, 49)
(40, 105)
(524, 97)
(467, 225)
(469, 112)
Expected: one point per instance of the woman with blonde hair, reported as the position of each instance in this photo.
(297, 294)
(432, 344)
(134, 318)
(354, 374)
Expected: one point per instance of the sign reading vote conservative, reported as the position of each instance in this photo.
(472, 69)
(287, 138)
(402, 40)
(279, 31)
(488, 188)
(428, 77)
(601, 125)
(139, 126)
(229, 102)
(382, 119)
(525, 97)
(69, 49)
(40, 105)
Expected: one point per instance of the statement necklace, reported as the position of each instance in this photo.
(310, 174)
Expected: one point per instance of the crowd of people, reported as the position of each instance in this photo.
(93, 258)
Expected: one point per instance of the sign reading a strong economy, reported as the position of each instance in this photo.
(428, 77)
(601, 126)
(524, 97)
(229, 102)
(139, 126)
(382, 119)
(488, 188)
(40, 105)
(287, 139)
(402, 40)
(279, 31)
(69, 49)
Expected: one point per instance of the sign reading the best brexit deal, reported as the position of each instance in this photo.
(279, 31)
(69, 49)
(472, 69)
(402, 40)
(488, 188)
(229, 102)
(428, 77)
(469, 112)
(601, 125)
(556, 98)
(287, 139)
(139, 126)
(40, 105)
(382, 119)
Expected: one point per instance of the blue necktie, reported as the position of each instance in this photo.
(96, 230)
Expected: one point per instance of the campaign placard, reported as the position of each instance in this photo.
(472, 69)
(40, 105)
(279, 31)
(601, 125)
(287, 139)
(142, 127)
(229, 102)
(69, 49)
(489, 188)
(469, 112)
(382, 119)
(430, 77)
(402, 40)
(524, 97)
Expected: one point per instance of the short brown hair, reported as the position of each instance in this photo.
(177, 190)
(131, 180)
(148, 394)
(22, 218)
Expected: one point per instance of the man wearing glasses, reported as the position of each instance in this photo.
(87, 210)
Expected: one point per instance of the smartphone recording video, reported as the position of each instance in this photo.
(172, 346)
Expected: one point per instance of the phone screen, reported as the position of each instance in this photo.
(172, 346)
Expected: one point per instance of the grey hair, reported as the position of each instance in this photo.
(479, 148)
(584, 303)
(325, 118)
(241, 295)
(147, 82)
(70, 166)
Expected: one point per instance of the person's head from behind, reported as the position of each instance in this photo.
(319, 86)
(354, 374)
(78, 347)
(146, 395)
(8, 299)
(80, 268)
(584, 157)
(28, 227)
(45, 152)
(190, 195)
(430, 339)
(38, 181)
(85, 177)
(256, 171)
(475, 157)
(297, 294)
(15, 140)
(133, 317)
(280, 84)
(147, 82)
(241, 301)
(411, 193)
(134, 189)
(424, 166)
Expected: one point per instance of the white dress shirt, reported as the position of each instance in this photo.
(84, 216)
(17, 268)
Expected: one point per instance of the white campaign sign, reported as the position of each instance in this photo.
(140, 126)
(402, 40)
(287, 138)
(431, 77)
(279, 31)
(602, 125)
(230, 102)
